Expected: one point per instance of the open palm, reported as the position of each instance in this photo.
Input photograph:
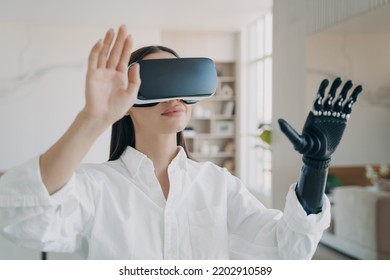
(110, 89)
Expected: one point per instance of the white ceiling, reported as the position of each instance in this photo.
(227, 15)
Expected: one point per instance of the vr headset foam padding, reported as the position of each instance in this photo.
(188, 79)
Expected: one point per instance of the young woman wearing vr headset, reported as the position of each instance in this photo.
(150, 200)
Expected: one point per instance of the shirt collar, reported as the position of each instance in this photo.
(180, 161)
(134, 160)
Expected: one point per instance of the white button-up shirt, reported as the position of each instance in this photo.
(117, 210)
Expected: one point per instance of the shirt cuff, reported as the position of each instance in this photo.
(22, 186)
(298, 220)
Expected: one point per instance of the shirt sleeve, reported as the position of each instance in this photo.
(32, 218)
(257, 232)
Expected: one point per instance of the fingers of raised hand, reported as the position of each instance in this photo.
(328, 104)
(102, 59)
(333, 105)
(123, 62)
(118, 57)
(120, 51)
(338, 104)
(320, 96)
(352, 99)
(94, 55)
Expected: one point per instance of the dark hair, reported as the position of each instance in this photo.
(122, 132)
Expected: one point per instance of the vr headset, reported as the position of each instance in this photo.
(188, 79)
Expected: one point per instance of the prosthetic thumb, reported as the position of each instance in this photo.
(299, 142)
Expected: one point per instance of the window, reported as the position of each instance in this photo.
(257, 105)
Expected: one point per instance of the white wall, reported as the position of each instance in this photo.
(221, 46)
(288, 92)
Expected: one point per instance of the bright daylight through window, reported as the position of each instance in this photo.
(259, 104)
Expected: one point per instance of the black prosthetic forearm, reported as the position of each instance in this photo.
(322, 132)
(311, 187)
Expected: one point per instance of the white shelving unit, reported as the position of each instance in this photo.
(211, 133)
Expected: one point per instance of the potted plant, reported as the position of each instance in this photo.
(265, 135)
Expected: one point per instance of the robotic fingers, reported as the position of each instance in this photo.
(340, 107)
(326, 122)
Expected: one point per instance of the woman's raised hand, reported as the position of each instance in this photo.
(111, 90)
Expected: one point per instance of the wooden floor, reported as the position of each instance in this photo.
(325, 253)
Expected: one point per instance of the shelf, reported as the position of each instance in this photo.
(211, 133)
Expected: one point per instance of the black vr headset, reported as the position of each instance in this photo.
(188, 79)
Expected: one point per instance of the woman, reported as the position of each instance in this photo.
(150, 201)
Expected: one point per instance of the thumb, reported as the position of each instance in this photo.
(297, 140)
(134, 79)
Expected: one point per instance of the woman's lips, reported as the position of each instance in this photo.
(173, 111)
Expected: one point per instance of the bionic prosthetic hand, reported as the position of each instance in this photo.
(322, 132)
